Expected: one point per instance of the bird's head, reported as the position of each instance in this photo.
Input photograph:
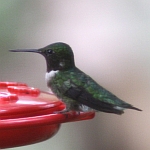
(59, 56)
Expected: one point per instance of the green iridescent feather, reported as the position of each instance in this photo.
(75, 78)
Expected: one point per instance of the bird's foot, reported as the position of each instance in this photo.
(61, 112)
(68, 113)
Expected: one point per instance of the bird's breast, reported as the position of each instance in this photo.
(50, 75)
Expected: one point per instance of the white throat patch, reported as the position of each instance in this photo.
(50, 75)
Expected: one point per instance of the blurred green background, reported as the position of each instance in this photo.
(111, 43)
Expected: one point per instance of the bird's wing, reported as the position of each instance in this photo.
(84, 97)
(85, 90)
(82, 89)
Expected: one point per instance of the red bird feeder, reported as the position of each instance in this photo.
(28, 115)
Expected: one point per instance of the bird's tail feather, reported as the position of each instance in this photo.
(135, 108)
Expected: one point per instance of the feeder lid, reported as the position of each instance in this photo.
(17, 100)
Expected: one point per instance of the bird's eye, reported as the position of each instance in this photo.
(49, 52)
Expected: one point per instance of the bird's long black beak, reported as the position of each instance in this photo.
(25, 50)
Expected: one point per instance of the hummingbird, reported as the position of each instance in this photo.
(76, 89)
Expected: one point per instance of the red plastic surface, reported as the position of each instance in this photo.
(28, 115)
